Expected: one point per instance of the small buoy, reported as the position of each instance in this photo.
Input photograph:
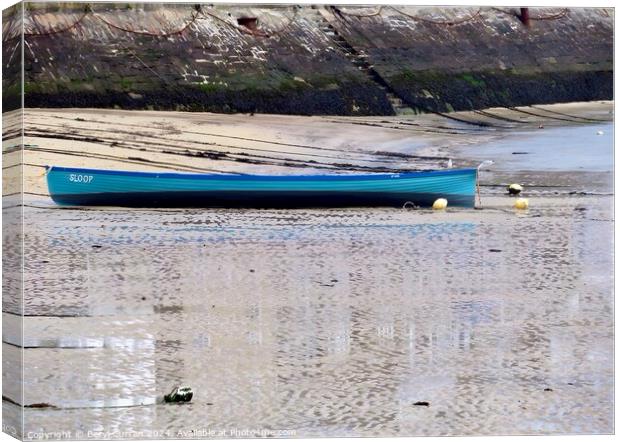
(515, 189)
(440, 204)
(600, 132)
(522, 203)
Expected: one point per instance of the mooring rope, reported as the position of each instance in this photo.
(208, 14)
(58, 31)
(53, 31)
(152, 34)
(557, 16)
(372, 14)
(572, 119)
(497, 117)
(289, 23)
(440, 22)
(88, 11)
(244, 30)
(561, 14)
(568, 115)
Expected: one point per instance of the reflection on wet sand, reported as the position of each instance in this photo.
(322, 322)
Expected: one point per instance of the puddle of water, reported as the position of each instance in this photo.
(576, 148)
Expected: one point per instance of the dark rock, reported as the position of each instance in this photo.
(422, 404)
(179, 394)
(39, 405)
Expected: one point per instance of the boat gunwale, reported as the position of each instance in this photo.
(241, 177)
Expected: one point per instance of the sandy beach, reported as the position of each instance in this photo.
(308, 323)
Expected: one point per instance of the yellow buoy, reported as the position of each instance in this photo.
(522, 203)
(515, 189)
(440, 204)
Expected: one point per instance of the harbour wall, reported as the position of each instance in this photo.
(307, 59)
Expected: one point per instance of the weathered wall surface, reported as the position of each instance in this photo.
(12, 61)
(310, 60)
(485, 57)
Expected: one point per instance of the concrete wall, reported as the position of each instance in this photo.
(112, 55)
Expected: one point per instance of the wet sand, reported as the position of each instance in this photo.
(319, 322)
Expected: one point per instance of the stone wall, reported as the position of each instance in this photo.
(11, 59)
(481, 57)
(291, 59)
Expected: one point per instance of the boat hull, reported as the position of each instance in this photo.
(93, 187)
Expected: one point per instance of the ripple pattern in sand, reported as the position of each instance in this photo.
(329, 323)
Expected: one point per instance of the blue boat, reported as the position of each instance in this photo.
(95, 187)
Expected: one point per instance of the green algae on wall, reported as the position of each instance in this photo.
(441, 91)
(347, 99)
